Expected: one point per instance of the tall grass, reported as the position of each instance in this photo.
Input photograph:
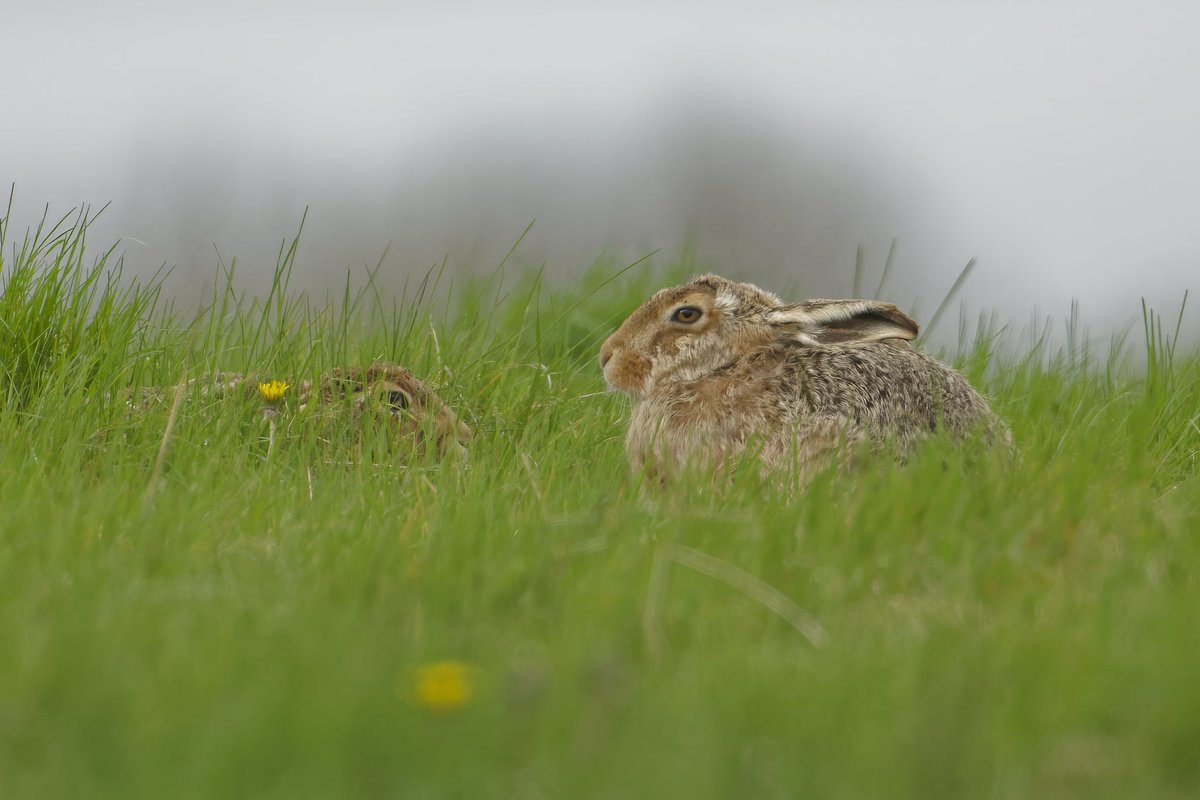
(965, 626)
(62, 319)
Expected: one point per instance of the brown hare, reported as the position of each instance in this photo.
(382, 394)
(391, 395)
(715, 367)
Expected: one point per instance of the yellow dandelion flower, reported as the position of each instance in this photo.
(444, 685)
(273, 391)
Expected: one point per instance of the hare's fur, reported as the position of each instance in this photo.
(798, 383)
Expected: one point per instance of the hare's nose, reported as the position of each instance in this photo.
(605, 357)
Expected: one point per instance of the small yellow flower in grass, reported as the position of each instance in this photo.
(273, 391)
(444, 685)
(272, 394)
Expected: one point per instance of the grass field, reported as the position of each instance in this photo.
(332, 621)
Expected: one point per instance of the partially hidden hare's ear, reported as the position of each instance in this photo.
(842, 321)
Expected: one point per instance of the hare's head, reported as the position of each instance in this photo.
(685, 332)
(414, 410)
(391, 395)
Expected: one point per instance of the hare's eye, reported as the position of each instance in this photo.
(397, 399)
(687, 314)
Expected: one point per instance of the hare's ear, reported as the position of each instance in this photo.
(842, 321)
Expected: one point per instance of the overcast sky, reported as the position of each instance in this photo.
(1058, 142)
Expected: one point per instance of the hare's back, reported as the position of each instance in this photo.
(887, 386)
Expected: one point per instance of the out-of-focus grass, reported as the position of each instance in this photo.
(255, 627)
